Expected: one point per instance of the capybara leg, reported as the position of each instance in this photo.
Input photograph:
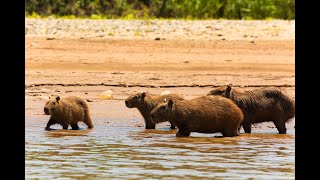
(183, 132)
(150, 125)
(50, 122)
(75, 126)
(65, 126)
(230, 134)
(88, 122)
(281, 126)
(247, 127)
(173, 126)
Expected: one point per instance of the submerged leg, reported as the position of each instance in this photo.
(75, 126)
(247, 127)
(183, 131)
(65, 126)
(88, 122)
(281, 126)
(149, 124)
(173, 126)
(50, 122)
(230, 132)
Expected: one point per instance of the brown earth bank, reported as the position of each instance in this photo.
(86, 67)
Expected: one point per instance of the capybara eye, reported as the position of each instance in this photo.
(54, 103)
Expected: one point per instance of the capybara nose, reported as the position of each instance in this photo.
(127, 103)
(46, 110)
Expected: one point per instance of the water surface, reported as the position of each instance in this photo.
(120, 152)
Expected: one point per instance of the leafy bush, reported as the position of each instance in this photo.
(186, 9)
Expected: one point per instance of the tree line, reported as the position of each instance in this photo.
(186, 9)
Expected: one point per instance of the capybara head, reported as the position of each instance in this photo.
(134, 100)
(51, 105)
(221, 91)
(162, 112)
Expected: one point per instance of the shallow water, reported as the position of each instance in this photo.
(119, 152)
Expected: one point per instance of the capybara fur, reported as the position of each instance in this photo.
(145, 102)
(261, 105)
(67, 111)
(205, 114)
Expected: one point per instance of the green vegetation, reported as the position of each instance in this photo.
(149, 9)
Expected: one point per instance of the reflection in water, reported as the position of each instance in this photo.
(127, 152)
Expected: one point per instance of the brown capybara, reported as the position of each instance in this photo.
(145, 102)
(67, 111)
(206, 114)
(261, 105)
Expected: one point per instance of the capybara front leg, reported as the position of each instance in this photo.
(183, 132)
(281, 126)
(230, 134)
(75, 126)
(88, 122)
(50, 122)
(247, 127)
(173, 126)
(150, 125)
(65, 126)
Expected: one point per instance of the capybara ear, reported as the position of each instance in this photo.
(141, 99)
(170, 104)
(228, 87)
(58, 98)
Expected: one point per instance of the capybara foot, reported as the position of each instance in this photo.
(281, 127)
(282, 131)
(150, 126)
(183, 134)
(75, 127)
(230, 134)
(47, 128)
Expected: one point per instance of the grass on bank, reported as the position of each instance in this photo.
(127, 17)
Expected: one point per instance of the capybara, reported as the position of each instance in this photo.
(67, 111)
(205, 114)
(261, 105)
(145, 102)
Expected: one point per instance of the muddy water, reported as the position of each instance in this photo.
(120, 152)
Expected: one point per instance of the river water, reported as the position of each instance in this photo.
(121, 152)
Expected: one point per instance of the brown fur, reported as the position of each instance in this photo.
(67, 111)
(261, 105)
(145, 102)
(206, 114)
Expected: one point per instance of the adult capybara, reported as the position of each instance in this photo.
(261, 105)
(145, 102)
(206, 114)
(67, 111)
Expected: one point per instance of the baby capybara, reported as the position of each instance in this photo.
(145, 102)
(206, 114)
(261, 105)
(67, 111)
